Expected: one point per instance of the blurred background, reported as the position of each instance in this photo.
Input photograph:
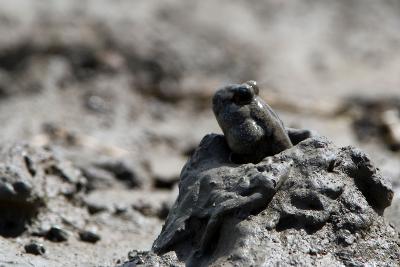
(131, 82)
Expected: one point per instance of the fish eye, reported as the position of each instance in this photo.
(242, 95)
(254, 85)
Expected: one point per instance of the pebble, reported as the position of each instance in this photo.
(135, 257)
(313, 251)
(57, 234)
(35, 248)
(89, 236)
(346, 237)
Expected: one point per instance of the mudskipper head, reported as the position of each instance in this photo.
(233, 106)
(234, 96)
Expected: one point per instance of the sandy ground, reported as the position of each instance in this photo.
(132, 81)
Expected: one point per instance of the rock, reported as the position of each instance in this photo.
(346, 237)
(35, 248)
(98, 103)
(57, 234)
(312, 199)
(120, 209)
(89, 236)
(94, 208)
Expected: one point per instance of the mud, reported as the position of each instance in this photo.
(128, 84)
(312, 193)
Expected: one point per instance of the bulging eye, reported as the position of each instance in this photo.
(254, 85)
(242, 95)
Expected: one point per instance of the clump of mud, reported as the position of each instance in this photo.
(313, 204)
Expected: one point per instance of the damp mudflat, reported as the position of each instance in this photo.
(102, 103)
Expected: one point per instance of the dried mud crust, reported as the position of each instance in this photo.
(321, 205)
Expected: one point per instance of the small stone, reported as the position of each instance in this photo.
(97, 104)
(135, 257)
(22, 188)
(120, 209)
(57, 234)
(346, 237)
(89, 236)
(132, 254)
(94, 208)
(313, 251)
(349, 240)
(35, 248)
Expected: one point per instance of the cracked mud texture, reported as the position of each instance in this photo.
(313, 204)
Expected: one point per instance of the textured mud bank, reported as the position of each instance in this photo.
(313, 204)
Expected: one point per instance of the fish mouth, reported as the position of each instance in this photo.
(221, 99)
(216, 103)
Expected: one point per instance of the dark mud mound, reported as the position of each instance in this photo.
(313, 204)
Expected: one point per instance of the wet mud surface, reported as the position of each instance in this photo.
(326, 200)
(103, 102)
